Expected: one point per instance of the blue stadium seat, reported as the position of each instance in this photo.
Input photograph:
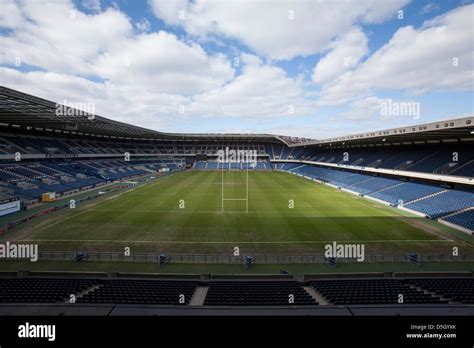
(464, 219)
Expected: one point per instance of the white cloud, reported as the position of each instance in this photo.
(372, 113)
(10, 15)
(314, 131)
(126, 103)
(416, 60)
(143, 25)
(161, 63)
(142, 77)
(261, 91)
(93, 5)
(345, 54)
(269, 29)
(170, 10)
(363, 109)
(139, 76)
(67, 41)
(430, 7)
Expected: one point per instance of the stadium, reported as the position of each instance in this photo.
(94, 191)
(170, 163)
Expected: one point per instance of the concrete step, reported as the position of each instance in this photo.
(199, 296)
(314, 294)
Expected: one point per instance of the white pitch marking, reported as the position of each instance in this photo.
(236, 211)
(257, 242)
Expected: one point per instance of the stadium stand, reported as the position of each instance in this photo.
(456, 290)
(34, 290)
(341, 291)
(429, 160)
(200, 165)
(465, 170)
(256, 293)
(443, 203)
(70, 156)
(406, 192)
(213, 165)
(432, 200)
(34, 179)
(164, 292)
(372, 185)
(464, 219)
(371, 291)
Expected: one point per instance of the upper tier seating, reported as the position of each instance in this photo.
(466, 170)
(430, 159)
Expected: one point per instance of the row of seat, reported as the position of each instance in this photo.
(239, 292)
(257, 293)
(31, 181)
(447, 160)
(167, 292)
(464, 219)
(214, 165)
(444, 203)
(25, 290)
(458, 290)
(372, 291)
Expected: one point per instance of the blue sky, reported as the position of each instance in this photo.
(300, 68)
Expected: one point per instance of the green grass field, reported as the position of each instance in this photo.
(150, 218)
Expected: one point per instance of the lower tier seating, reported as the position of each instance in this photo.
(33, 290)
(257, 293)
(371, 291)
(444, 203)
(464, 219)
(432, 200)
(406, 192)
(165, 292)
(233, 292)
(457, 290)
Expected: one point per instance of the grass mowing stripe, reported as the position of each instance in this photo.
(150, 214)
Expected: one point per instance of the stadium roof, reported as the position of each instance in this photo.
(17, 108)
(26, 110)
(460, 129)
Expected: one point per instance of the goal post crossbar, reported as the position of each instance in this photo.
(246, 199)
